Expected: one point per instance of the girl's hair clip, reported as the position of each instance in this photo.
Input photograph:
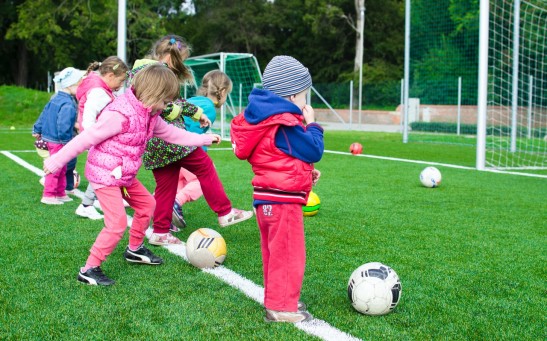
(172, 41)
(115, 66)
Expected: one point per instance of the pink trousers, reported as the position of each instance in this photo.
(188, 188)
(55, 183)
(283, 254)
(115, 219)
(167, 178)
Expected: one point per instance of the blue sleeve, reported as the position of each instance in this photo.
(305, 144)
(66, 118)
(37, 128)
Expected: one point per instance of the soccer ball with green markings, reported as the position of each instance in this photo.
(374, 289)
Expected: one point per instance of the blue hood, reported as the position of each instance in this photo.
(264, 103)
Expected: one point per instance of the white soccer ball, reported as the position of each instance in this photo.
(205, 248)
(430, 177)
(374, 289)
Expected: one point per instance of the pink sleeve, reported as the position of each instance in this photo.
(170, 133)
(110, 123)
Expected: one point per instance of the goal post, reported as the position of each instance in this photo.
(512, 103)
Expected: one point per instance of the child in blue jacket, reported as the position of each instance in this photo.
(55, 126)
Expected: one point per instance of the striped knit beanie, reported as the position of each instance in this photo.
(286, 76)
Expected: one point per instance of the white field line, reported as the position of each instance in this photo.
(316, 327)
(435, 164)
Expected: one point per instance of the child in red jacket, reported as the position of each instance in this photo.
(278, 136)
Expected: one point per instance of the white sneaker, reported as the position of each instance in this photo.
(287, 316)
(64, 198)
(88, 212)
(51, 201)
(234, 217)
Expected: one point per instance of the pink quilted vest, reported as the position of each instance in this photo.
(124, 150)
(91, 81)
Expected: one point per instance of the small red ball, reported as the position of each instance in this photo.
(356, 148)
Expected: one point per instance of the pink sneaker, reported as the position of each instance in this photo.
(163, 239)
(234, 217)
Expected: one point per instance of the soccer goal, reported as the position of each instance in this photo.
(243, 70)
(512, 103)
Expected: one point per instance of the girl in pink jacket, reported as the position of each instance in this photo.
(116, 144)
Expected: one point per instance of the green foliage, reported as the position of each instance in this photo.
(20, 107)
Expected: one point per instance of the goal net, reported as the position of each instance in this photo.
(516, 112)
(243, 70)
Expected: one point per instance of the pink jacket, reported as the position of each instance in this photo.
(118, 140)
(90, 82)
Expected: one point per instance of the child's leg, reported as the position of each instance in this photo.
(200, 164)
(89, 196)
(55, 183)
(143, 203)
(115, 221)
(70, 167)
(188, 188)
(166, 178)
(282, 233)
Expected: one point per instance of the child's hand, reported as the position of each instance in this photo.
(46, 170)
(315, 175)
(204, 121)
(37, 136)
(216, 138)
(309, 114)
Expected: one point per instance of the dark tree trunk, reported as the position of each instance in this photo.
(21, 72)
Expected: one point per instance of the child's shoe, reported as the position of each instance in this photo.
(88, 212)
(94, 276)
(178, 216)
(64, 198)
(142, 255)
(234, 217)
(163, 239)
(287, 316)
(51, 201)
(173, 228)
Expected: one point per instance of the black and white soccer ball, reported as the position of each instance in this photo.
(374, 289)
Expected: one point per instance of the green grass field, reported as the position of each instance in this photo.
(471, 254)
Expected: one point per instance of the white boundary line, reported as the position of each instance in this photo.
(315, 327)
(435, 163)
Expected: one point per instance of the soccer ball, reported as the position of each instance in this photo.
(76, 179)
(430, 177)
(313, 205)
(205, 248)
(356, 148)
(374, 289)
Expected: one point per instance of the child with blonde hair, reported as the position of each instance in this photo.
(116, 144)
(211, 95)
(55, 127)
(166, 159)
(94, 93)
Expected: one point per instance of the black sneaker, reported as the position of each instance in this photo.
(94, 276)
(142, 255)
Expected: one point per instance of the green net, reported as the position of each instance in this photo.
(443, 70)
(242, 68)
